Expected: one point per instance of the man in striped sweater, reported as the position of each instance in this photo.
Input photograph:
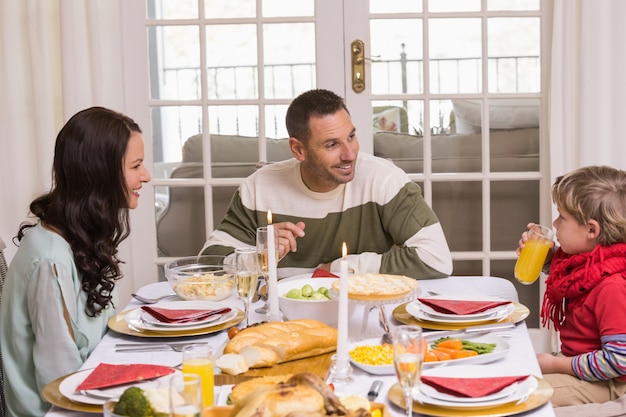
(330, 193)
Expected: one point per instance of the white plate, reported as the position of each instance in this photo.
(501, 349)
(432, 312)
(67, 387)
(433, 393)
(158, 289)
(414, 309)
(522, 389)
(134, 317)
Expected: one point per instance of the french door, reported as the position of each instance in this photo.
(223, 70)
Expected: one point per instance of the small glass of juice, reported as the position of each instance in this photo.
(533, 256)
(198, 359)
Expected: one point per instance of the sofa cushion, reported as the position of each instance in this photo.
(503, 114)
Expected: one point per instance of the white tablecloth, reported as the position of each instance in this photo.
(520, 356)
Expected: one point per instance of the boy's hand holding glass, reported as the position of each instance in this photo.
(533, 255)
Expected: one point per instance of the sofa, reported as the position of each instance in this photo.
(180, 229)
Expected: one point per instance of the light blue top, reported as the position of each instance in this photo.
(37, 347)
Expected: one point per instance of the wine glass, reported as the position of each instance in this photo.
(407, 360)
(246, 275)
(261, 247)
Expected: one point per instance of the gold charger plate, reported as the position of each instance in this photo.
(399, 313)
(52, 394)
(118, 324)
(538, 398)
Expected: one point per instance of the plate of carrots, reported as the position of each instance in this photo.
(376, 358)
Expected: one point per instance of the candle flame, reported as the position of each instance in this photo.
(269, 217)
(344, 250)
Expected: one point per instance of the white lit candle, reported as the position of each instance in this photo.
(271, 269)
(342, 320)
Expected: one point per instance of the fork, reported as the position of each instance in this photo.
(176, 347)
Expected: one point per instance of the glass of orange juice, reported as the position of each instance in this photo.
(533, 256)
(198, 359)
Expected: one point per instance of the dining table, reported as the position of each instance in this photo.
(364, 323)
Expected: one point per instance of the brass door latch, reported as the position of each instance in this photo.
(358, 66)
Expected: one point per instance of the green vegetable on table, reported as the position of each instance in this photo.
(308, 293)
(480, 348)
(135, 403)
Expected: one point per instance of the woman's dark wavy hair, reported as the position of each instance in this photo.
(88, 202)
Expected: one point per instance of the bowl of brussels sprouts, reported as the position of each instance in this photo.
(309, 298)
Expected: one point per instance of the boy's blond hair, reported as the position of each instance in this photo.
(595, 193)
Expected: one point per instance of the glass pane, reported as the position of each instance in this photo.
(172, 9)
(455, 55)
(234, 120)
(397, 53)
(395, 6)
(275, 122)
(176, 74)
(513, 4)
(453, 5)
(440, 117)
(221, 9)
(528, 294)
(513, 205)
(181, 226)
(467, 268)
(277, 8)
(513, 48)
(289, 59)
(396, 126)
(458, 206)
(232, 57)
(171, 127)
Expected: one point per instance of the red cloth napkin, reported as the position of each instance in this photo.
(167, 315)
(461, 307)
(322, 273)
(471, 387)
(107, 375)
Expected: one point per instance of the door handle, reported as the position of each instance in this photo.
(358, 65)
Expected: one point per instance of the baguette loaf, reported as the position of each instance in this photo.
(271, 343)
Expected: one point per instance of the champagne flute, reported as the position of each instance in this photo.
(407, 360)
(261, 247)
(246, 275)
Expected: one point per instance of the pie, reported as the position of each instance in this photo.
(377, 287)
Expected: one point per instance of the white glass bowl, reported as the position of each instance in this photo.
(325, 311)
(206, 277)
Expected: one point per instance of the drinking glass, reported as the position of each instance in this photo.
(198, 359)
(407, 360)
(186, 395)
(533, 256)
(261, 247)
(246, 275)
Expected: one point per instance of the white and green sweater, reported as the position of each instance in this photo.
(380, 214)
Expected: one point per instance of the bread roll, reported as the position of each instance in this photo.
(271, 343)
(232, 364)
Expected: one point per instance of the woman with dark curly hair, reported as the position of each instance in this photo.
(59, 292)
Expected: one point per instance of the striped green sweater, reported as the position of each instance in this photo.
(380, 214)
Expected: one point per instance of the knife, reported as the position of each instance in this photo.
(471, 331)
(148, 347)
(374, 389)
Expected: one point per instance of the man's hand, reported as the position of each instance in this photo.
(287, 235)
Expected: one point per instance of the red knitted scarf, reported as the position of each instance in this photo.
(573, 276)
